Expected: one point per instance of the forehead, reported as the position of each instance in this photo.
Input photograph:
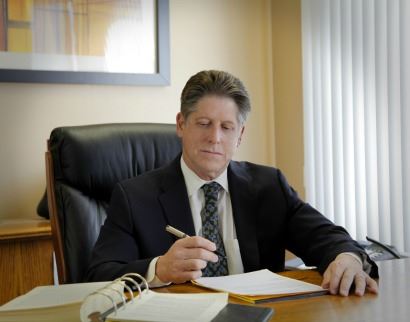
(219, 107)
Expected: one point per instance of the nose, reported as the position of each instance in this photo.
(214, 135)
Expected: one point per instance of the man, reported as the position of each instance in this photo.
(249, 211)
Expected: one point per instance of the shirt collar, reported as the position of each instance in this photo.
(194, 183)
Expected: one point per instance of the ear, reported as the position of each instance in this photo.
(180, 121)
(238, 143)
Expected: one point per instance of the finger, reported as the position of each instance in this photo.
(326, 279)
(197, 242)
(347, 280)
(182, 277)
(186, 270)
(192, 265)
(336, 273)
(360, 282)
(372, 285)
(200, 253)
(179, 270)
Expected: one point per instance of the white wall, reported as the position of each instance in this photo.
(233, 35)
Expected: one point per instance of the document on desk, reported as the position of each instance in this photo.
(260, 286)
(49, 303)
(164, 307)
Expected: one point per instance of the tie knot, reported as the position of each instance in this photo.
(211, 189)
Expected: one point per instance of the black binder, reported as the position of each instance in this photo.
(243, 313)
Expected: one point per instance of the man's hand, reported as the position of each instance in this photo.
(342, 272)
(185, 259)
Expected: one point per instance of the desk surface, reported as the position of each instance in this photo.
(24, 228)
(391, 304)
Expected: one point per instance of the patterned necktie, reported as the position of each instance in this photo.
(210, 230)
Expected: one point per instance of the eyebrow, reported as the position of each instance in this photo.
(200, 118)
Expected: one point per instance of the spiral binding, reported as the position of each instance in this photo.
(118, 301)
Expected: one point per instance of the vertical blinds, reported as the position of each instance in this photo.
(356, 85)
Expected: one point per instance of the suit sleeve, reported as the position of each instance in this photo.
(313, 237)
(116, 251)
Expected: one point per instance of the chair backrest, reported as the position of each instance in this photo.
(83, 164)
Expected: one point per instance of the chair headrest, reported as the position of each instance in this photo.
(93, 158)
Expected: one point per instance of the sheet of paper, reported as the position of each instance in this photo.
(48, 296)
(163, 307)
(262, 282)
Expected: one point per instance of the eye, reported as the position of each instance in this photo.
(203, 123)
(227, 127)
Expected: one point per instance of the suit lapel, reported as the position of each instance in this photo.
(243, 207)
(174, 199)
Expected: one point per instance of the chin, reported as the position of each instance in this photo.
(213, 172)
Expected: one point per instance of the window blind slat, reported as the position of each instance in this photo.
(396, 204)
(347, 108)
(327, 134)
(337, 116)
(382, 116)
(369, 76)
(359, 121)
(307, 61)
(405, 120)
(318, 110)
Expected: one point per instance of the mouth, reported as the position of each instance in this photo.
(209, 152)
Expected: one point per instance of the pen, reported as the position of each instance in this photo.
(175, 232)
(180, 234)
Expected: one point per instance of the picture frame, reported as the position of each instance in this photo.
(160, 76)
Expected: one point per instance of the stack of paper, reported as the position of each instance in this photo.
(259, 286)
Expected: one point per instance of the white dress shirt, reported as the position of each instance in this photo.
(226, 222)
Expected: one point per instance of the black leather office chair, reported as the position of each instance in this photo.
(83, 164)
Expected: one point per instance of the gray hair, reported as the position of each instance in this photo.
(214, 82)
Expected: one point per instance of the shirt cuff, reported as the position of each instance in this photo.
(151, 277)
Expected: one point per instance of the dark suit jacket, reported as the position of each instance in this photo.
(269, 218)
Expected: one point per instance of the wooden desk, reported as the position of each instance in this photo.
(26, 256)
(391, 304)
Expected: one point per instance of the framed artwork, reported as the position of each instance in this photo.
(121, 42)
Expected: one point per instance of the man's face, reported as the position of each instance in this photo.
(210, 135)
